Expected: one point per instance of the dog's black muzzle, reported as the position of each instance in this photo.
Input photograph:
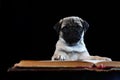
(72, 35)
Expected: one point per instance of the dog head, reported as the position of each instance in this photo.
(71, 29)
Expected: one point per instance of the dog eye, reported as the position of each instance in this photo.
(64, 29)
(65, 26)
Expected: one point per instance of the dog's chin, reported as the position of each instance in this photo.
(71, 44)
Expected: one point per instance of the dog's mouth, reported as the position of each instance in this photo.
(71, 39)
(72, 42)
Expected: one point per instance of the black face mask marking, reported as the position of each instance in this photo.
(72, 34)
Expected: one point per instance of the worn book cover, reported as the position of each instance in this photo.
(66, 65)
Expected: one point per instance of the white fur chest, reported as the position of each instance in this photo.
(79, 47)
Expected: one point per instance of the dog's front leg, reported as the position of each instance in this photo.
(60, 55)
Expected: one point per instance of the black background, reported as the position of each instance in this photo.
(27, 29)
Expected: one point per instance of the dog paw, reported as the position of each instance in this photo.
(59, 57)
(106, 59)
(103, 58)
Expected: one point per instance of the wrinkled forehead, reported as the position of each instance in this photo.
(71, 21)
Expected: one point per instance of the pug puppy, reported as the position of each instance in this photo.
(70, 45)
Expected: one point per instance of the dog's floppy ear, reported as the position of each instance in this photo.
(57, 26)
(85, 25)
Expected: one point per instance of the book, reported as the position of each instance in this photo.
(48, 65)
(99, 64)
